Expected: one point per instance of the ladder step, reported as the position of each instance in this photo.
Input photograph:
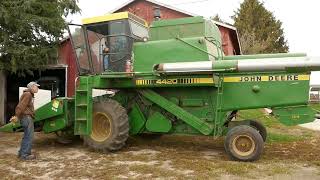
(82, 91)
(82, 105)
(81, 119)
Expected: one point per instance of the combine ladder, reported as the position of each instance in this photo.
(83, 106)
(218, 109)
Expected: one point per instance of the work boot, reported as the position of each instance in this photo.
(28, 157)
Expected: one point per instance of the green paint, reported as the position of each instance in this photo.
(264, 56)
(136, 120)
(294, 115)
(83, 106)
(158, 123)
(49, 110)
(185, 116)
(63, 117)
(10, 127)
(192, 103)
(55, 124)
(178, 40)
(58, 113)
(147, 54)
(270, 93)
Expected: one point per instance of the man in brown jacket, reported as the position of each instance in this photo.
(25, 113)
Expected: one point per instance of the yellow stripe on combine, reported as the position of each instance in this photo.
(109, 17)
(175, 81)
(115, 16)
(231, 79)
(286, 77)
(304, 77)
(204, 80)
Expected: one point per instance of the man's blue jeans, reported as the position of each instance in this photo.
(26, 143)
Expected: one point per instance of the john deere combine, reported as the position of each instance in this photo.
(173, 78)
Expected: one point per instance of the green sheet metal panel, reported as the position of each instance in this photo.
(294, 115)
(136, 120)
(148, 54)
(10, 127)
(181, 113)
(158, 123)
(172, 28)
(265, 90)
(264, 56)
(192, 103)
(51, 109)
(184, 40)
(184, 28)
(54, 124)
(198, 101)
(60, 121)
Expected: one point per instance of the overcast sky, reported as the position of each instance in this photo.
(300, 18)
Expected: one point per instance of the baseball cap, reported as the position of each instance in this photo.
(32, 84)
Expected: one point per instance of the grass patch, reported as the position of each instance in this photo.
(315, 106)
(258, 114)
(275, 137)
(237, 168)
(278, 169)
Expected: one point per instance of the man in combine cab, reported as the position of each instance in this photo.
(25, 113)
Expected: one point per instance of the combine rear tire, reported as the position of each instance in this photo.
(110, 126)
(244, 143)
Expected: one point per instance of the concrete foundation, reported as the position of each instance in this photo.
(3, 87)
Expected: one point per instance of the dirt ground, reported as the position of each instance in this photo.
(169, 157)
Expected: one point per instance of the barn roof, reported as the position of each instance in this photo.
(155, 2)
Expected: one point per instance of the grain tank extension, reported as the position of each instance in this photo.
(172, 78)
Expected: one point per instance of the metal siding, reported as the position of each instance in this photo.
(66, 57)
(144, 9)
(227, 44)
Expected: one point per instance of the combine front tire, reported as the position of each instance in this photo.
(110, 126)
(244, 143)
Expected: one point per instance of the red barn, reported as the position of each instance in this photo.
(66, 56)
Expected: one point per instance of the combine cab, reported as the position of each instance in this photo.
(173, 78)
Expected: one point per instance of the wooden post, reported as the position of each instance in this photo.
(3, 98)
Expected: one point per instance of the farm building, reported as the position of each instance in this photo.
(55, 77)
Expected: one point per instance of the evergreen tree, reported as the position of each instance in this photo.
(30, 31)
(259, 30)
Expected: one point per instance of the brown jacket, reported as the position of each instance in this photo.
(25, 106)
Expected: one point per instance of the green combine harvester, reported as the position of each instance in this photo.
(173, 78)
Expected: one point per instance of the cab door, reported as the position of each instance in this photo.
(79, 42)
